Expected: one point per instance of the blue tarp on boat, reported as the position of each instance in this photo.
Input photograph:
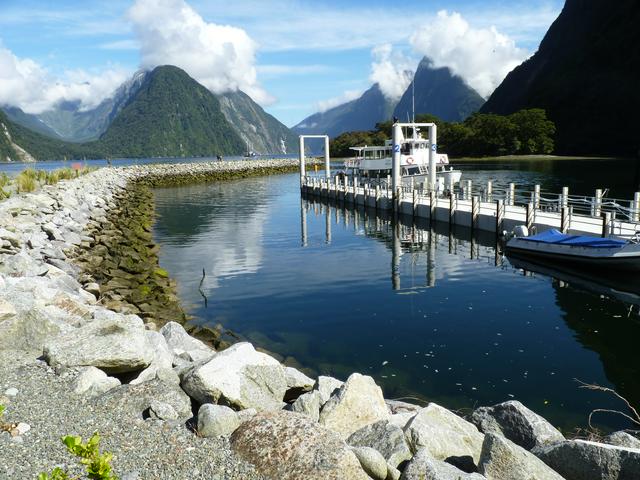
(553, 236)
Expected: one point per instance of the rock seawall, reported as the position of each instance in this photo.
(90, 340)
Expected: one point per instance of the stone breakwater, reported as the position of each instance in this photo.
(83, 347)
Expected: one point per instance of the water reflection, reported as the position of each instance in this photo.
(428, 311)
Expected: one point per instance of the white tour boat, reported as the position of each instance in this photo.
(374, 163)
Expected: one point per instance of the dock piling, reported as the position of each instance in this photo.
(596, 208)
(606, 222)
(635, 207)
(499, 216)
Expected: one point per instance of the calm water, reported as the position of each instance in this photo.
(428, 313)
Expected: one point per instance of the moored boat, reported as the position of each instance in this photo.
(577, 250)
(374, 163)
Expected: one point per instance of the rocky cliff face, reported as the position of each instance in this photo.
(263, 133)
(438, 92)
(586, 76)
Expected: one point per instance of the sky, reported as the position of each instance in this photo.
(294, 57)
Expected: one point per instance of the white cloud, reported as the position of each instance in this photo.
(277, 70)
(324, 105)
(29, 86)
(120, 45)
(481, 56)
(391, 70)
(220, 57)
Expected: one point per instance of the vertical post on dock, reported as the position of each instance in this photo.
(433, 148)
(512, 194)
(635, 207)
(303, 173)
(467, 191)
(452, 209)
(303, 223)
(536, 197)
(395, 166)
(377, 196)
(565, 219)
(475, 211)
(489, 191)
(432, 206)
(327, 168)
(328, 224)
(355, 191)
(499, 216)
(564, 198)
(414, 201)
(529, 215)
(606, 223)
(596, 209)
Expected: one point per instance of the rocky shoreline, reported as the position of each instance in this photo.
(91, 340)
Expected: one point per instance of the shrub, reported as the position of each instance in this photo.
(26, 181)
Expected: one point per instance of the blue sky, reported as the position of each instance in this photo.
(293, 56)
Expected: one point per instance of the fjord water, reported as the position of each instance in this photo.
(429, 313)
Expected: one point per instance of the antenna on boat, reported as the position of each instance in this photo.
(413, 99)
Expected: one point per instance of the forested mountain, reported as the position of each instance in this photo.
(171, 115)
(438, 92)
(585, 75)
(360, 114)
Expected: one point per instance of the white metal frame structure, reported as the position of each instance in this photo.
(303, 171)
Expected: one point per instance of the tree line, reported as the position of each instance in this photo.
(527, 132)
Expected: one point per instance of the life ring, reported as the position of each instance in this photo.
(409, 160)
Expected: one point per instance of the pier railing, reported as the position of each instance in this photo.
(488, 208)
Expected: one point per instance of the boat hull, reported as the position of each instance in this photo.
(626, 258)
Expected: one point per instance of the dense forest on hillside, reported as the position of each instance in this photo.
(527, 132)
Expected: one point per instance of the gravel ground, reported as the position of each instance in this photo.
(142, 449)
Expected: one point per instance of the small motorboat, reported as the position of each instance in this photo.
(577, 250)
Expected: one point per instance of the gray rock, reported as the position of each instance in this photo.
(398, 407)
(386, 438)
(239, 377)
(622, 439)
(401, 419)
(11, 392)
(92, 381)
(327, 386)
(444, 434)
(7, 310)
(289, 446)
(22, 265)
(135, 401)
(501, 459)
(182, 344)
(216, 420)
(162, 364)
(11, 237)
(246, 414)
(357, 403)
(372, 462)
(308, 404)
(112, 342)
(392, 473)
(297, 383)
(93, 289)
(31, 327)
(517, 423)
(424, 467)
(582, 460)
(162, 411)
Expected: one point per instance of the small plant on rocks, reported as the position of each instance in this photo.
(98, 465)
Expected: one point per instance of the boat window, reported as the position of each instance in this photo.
(413, 170)
(406, 149)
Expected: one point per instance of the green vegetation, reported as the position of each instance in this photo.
(26, 181)
(98, 465)
(527, 132)
(172, 115)
(31, 179)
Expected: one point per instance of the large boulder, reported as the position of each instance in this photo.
(112, 342)
(137, 401)
(424, 467)
(517, 423)
(444, 435)
(183, 345)
(92, 381)
(357, 403)
(239, 377)
(288, 446)
(327, 386)
(297, 383)
(372, 462)
(162, 363)
(308, 404)
(583, 460)
(386, 438)
(622, 439)
(216, 420)
(501, 459)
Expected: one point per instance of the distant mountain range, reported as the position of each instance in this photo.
(586, 75)
(159, 113)
(437, 91)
